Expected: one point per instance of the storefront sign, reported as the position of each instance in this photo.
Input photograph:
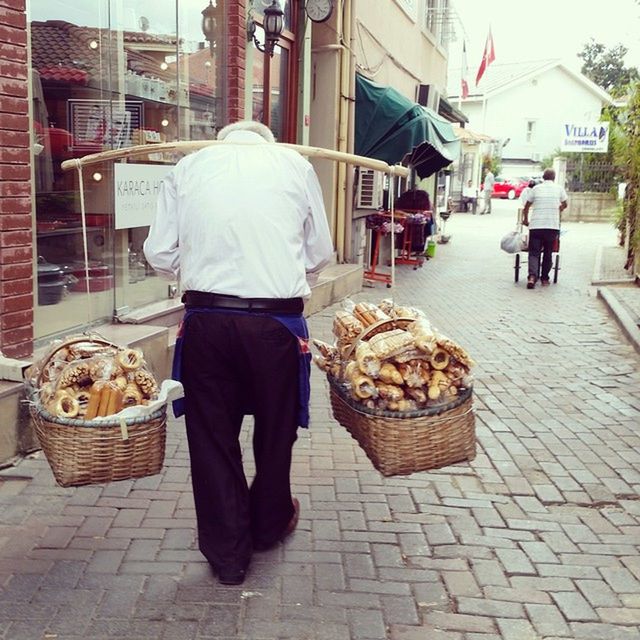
(585, 138)
(136, 188)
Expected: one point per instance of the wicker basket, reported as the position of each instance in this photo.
(403, 443)
(82, 452)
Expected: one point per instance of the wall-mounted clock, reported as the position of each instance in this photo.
(319, 10)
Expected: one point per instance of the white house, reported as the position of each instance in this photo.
(525, 105)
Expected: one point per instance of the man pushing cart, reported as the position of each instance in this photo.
(545, 201)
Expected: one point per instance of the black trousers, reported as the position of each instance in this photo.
(541, 241)
(229, 362)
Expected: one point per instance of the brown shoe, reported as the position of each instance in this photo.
(531, 282)
(289, 529)
(293, 523)
(545, 283)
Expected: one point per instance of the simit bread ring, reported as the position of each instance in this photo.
(439, 359)
(130, 359)
(83, 396)
(131, 396)
(67, 407)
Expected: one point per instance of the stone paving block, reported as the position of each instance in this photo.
(297, 590)
(367, 625)
(405, 632)
(105, 561)
(522, 595)
(177, 539)
(460, 622)
(598, 631)
(538, 552)
(461, 583)
(489, 573)
(598, 593)
(574, 607)
(399, 610)
(182, 630)
(620, 615)
(94, 526)
(547, 620)
(329, 577)
(621, 580)
(488, 607)
(516, 629)
(515, 562)
(359, 566)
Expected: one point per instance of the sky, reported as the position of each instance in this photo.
(542, 29)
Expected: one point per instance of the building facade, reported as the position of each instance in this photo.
(525, 106)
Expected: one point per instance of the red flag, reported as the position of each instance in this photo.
(488, 57)
(465, 72)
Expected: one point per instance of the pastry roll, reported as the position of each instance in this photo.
(367, 360)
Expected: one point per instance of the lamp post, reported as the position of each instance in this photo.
(273, 24)
(210, 22)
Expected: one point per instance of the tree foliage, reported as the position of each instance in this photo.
(606, 67)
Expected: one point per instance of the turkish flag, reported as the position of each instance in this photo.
(465, 72)
(488, 57)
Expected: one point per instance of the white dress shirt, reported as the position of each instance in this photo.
(243, 219)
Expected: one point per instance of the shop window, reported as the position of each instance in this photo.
(109, 74)
(273, 99)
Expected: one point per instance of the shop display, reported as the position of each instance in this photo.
(400, 388)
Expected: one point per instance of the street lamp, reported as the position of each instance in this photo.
(210, 21)
(273, 24)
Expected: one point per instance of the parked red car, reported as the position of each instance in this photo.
(510, 188)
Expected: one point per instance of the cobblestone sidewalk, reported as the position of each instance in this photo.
(538, 538)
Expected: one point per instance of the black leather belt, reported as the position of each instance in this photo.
(219, 301)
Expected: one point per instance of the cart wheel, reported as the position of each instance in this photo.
(516, 268)
(388, 286)
(556, 268)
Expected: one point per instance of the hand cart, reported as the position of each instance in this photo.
(555, 256)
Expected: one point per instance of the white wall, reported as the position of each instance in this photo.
(549, 100)
(393, 48)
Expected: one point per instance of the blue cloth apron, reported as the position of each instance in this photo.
(296, 324)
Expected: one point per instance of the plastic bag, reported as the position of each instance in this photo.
(513, 242)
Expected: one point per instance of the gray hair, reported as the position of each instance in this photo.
(247, 125)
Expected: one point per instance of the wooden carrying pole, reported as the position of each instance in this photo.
(187, 147)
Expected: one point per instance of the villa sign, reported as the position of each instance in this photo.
(585, 138)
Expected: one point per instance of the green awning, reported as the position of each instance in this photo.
(394, 129)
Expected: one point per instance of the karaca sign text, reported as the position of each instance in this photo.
(136, 190)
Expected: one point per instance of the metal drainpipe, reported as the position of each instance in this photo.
(351, 130)
(344, 33)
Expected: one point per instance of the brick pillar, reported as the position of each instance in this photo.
(16, 241)
(236, 58)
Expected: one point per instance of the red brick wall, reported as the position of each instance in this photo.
(236, 51)
(16, 253)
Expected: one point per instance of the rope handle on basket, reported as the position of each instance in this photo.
(69, 342)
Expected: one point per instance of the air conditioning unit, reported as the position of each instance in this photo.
(428, 96)
(370, 189)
